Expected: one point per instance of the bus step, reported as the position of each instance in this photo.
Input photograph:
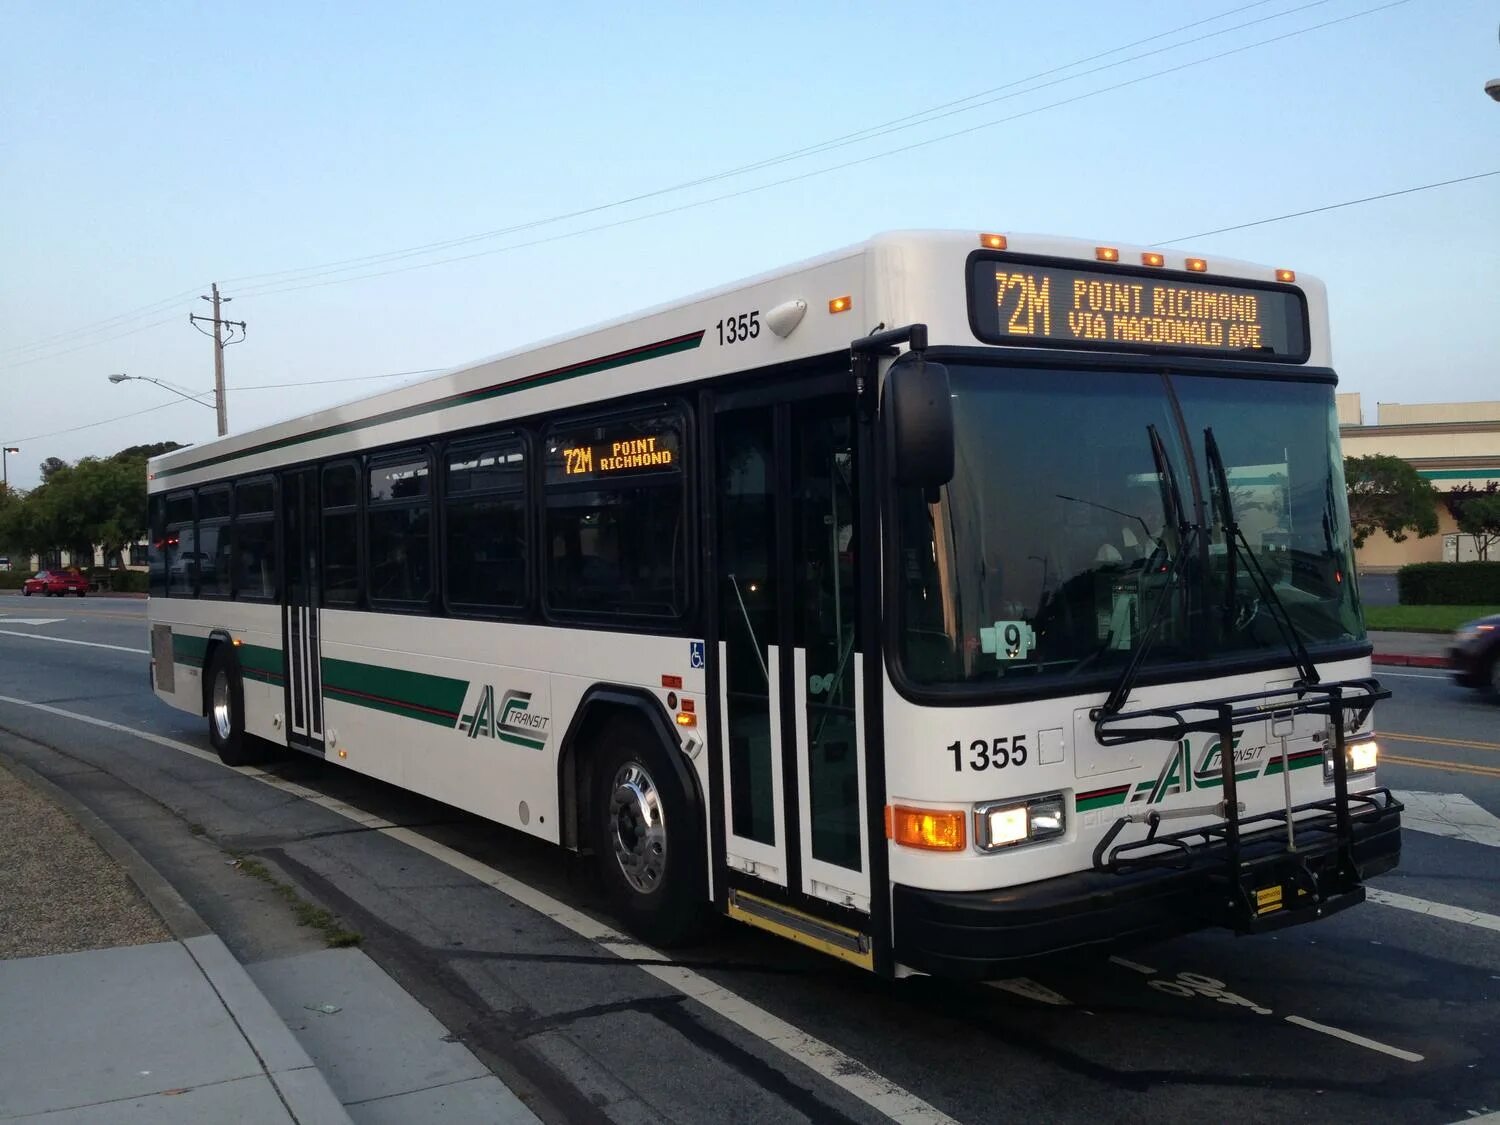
(815, 933)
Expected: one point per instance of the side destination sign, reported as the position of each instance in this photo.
(1034, 302)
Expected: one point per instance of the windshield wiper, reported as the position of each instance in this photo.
(1186, 533)
(1236, 544)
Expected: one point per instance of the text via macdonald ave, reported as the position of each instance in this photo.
(1130, 312)
(1030, 304)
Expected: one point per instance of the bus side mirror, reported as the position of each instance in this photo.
(919, 424)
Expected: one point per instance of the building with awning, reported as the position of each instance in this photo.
(1449, 443)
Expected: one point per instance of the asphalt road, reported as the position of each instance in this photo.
(1390, 1011)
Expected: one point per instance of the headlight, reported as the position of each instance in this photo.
(1005, 824)
(1359, 757)
(1472, 631)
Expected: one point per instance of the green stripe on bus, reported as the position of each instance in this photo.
(262, 663)
(188, 650)
(1295, 762)
(415, 695)
(463, 398)
(1101, 800)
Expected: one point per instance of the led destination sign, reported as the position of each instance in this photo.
(1020, 302)
(614, 450)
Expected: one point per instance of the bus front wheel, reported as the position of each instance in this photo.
(226, 711)
(647, 841)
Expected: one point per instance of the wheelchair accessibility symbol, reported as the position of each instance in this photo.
(695, 654)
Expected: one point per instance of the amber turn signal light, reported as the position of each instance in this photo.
(939, 830)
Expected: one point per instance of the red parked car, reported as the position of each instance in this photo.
(59, 582)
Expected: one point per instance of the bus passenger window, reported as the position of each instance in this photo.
(255, 539)
(615, 530)
(484, 556)
(398, 521)
(340, 552)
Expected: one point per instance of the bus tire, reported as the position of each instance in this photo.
(648, 842)
(225, 705)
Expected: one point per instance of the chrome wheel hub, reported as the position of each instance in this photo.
(219, 710)
(638, 828)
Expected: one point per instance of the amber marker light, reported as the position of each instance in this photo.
(343, 753)
(992, 241)
(1152, 258)
(1197, 265)
(1286, 275)
(938, 830)
(1106, 253)
(840, 304)
(686, 719)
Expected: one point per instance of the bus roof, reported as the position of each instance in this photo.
(875, 274)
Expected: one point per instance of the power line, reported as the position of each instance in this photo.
(921, 117)
(116, 321)
(103, 421)
(896, 125)
(914, 145)
(346, 379)
(1330, 207)
(91, 343)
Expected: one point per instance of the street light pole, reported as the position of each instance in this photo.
(5, 452)
(217, 405)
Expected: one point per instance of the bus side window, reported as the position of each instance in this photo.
(254, 550)
(340, 554)
(484, 525)
(156, 558)
(398, 530)
(179, 546)
(615, 529)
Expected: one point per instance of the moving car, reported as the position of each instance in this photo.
(59, 582)
(1475, 654)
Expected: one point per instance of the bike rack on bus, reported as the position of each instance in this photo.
(1255, 865)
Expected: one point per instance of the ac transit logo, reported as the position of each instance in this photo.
(1179, 776)
(513, 721)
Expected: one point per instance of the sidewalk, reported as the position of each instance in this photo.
(119, 1005)
(1415, 650)
(120, 1009)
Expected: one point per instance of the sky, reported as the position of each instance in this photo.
(149, 149)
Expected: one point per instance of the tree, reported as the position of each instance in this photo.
(50, 467)
(1477, 513)
(1387, 494)
(144, 452)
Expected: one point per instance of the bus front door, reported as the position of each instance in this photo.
(793, 774)
(299, 610)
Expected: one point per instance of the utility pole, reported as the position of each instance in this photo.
(220, 402)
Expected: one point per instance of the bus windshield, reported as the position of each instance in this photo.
(1054, 551)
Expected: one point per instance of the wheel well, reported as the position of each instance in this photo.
(599, 708)
(216, 640)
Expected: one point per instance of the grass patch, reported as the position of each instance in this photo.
(1424, 618)
(313, 917)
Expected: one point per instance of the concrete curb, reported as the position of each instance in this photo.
(303, 1089)
(1403, 660)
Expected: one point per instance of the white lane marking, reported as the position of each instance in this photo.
(1434, 909)
(850, 1075)
(1450, 814)
(69, 641)
(1145, 969)
(31, 620)
(1031, 990)
(1357, 1040)
(1413, 676)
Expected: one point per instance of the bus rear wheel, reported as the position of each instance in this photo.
(226, 712)
(646, 838)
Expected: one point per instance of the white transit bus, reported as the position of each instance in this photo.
(944, 603)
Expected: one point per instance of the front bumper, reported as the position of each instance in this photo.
(980, 935)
